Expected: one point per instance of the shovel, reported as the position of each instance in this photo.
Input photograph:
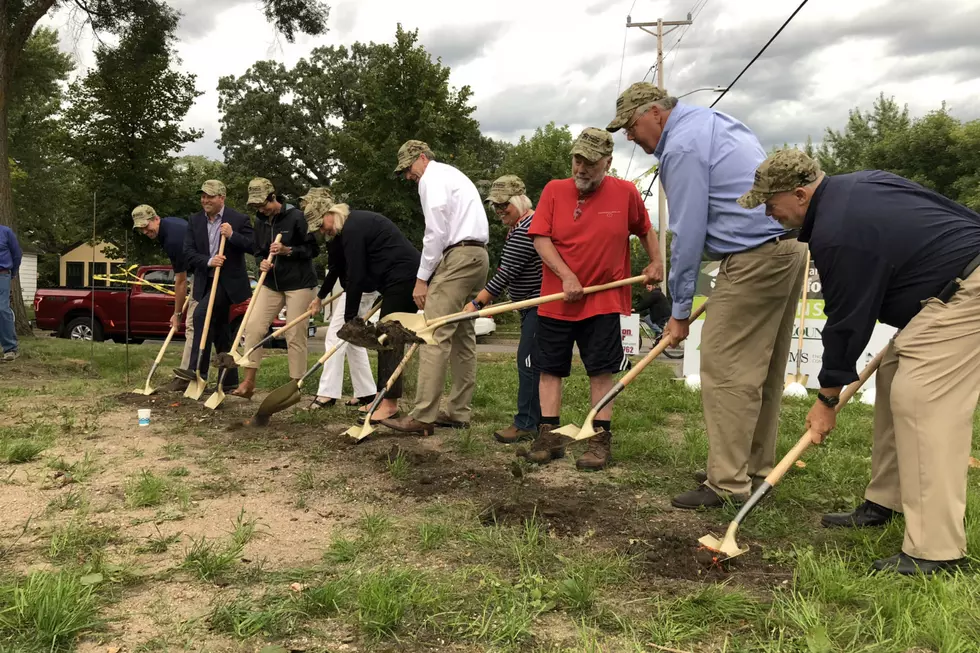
(575, 433)
(251, 305)
(361, 432)
(147, 391)
(728, 546)
(416, 322)
(796, 383)
(196, 387)
(290, 393)
(228, 361)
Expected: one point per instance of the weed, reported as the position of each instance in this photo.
(432, 535)
(159, 543)
(178, 472)
(173, 451)
(210, 560)
(398, 466)
(343, 549)
(145, 490)
(47, 610)
(73, 499)
(22, 451)
(79, 542)
(374, 525)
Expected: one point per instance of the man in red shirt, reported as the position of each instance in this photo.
(581, 230)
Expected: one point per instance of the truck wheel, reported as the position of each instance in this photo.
(81, 329)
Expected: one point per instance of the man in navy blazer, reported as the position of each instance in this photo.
(201, 243)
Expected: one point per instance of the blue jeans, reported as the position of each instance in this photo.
(653, 326)
(8, 334)
(528, 405)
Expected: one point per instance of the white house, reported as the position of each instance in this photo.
(28, 274)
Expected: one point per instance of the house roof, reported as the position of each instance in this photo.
(79, 243)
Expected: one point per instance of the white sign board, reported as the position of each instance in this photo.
(812, 353)
(630, 325)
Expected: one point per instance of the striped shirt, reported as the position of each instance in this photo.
(214, 232)
(520, 266)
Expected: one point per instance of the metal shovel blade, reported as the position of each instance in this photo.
(727, 546)
(574, 433)
(279, 399)
(147, 391)
(215, 400)
(360, 432)
(195, 389)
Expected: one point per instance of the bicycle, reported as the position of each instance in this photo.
(655, 332)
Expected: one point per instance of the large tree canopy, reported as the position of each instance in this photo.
(338, 117)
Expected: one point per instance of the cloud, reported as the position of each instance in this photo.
(199, 18)
(460, 44)
(345, 17)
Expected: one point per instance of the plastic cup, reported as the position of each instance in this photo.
(144, 416)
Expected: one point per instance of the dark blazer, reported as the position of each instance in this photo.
(197, 253)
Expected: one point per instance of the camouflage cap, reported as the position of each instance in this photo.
(408, 152)
(313, 193)
(258, 190)
(632, 99)
(505, 188)
(316, 208)
(214, 187)
(783, 171)
(142, 215)
(593, 143)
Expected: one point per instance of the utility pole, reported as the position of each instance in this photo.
(662, 197)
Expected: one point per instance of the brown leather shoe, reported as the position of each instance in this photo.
(512, 434)
(408, 424)
(445, 421)
(545, 448)
(598, 455)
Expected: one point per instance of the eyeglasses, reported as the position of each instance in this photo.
(631, 123)
(499, 207)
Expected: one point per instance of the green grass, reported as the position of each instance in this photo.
(46, 611)
(79, 542)
(145, 490)
(210, 560)
(22, 451)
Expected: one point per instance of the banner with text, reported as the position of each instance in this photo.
(811, 356)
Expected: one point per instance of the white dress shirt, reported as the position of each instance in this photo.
(453, 213)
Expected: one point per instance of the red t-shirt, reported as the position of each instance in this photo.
(595, 246)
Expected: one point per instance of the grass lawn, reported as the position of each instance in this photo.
(199, 534)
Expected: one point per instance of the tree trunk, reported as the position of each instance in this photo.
(7, 217)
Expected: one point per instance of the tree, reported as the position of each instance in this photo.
(338, 118)
(936, 150)
(17, 21)
(537, 160)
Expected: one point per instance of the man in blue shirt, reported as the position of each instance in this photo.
(170, 232)
(10, 256)
(707, 159)
(890, 250)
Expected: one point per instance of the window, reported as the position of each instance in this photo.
(75, 274)
(164, 278)
(98, 270)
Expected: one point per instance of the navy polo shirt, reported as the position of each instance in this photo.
(171, 238)
(882, 245)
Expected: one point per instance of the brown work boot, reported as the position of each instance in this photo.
(512, 434)
(545, 448)
(598, 455)
(408, 424)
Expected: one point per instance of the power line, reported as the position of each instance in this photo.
(728, 88)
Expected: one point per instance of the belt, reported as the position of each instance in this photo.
(4, 271)
(467, 243)
(950, 288)
(789, 235)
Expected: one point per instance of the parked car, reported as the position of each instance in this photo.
(68, 311)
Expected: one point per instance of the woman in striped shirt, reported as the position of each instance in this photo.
(519, 273)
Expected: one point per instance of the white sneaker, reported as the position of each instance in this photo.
(10, 356)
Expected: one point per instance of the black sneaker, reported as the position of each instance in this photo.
(866, 514)
(907, 565)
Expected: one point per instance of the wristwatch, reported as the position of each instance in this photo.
(830, 402)
(478, 305)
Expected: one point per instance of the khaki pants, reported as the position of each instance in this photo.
(745, 345)
(927, 390)
(458, 279)
(185, 359)
(266, 309)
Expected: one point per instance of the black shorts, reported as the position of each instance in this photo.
(599, 339)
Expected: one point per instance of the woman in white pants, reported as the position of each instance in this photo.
(332, 378)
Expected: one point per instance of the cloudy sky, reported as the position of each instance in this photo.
(533, 61)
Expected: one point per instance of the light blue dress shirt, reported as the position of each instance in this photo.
(707, 161)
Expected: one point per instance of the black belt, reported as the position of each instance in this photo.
(4, 271)
(467, 243)
(789, 235)
(950, 288)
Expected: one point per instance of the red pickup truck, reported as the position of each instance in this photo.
(68, 311)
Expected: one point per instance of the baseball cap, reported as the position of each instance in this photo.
(142, 215)
(632, 99)
(593, 143)
(408, 152)
(316, 208)
(505, 188)
(258, 190)
(783, 171)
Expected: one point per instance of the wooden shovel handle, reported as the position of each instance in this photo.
(537, 301)
(804, 442)
(207, 316)
(170, 336)
(806, 287)
(255, 296)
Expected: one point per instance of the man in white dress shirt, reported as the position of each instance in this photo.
(452, 271)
